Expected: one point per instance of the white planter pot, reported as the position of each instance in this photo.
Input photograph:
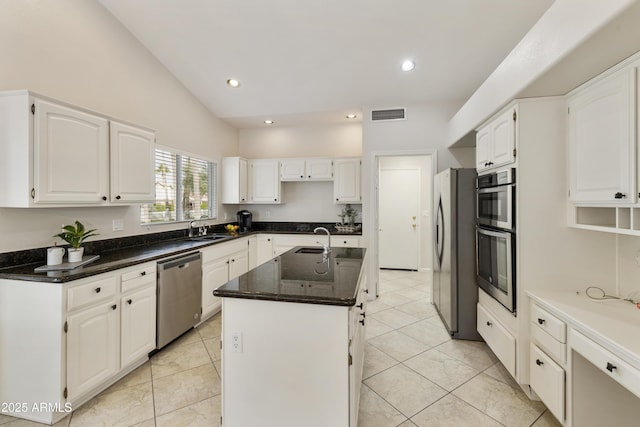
(75, 255)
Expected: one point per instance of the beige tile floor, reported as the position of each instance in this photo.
(414, 375)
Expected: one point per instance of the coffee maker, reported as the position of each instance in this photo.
(244, 220)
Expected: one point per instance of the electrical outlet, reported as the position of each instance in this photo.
(236, 342)
(118, 225)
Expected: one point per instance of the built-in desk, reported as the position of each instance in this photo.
(602, 359)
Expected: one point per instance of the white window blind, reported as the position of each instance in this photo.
(185, 189)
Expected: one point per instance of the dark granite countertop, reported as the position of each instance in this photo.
(121, 253)
(302, 278)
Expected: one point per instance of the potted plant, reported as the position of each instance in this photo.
(74, 235)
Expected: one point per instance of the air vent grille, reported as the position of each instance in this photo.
(393, 114)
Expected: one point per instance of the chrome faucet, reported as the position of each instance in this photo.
(326, 248)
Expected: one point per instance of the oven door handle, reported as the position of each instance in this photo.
(493, 233)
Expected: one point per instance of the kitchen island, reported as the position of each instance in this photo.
(293, 338)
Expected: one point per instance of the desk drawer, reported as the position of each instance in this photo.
(549, 323)
(553, 347)
(620, 371)
(547, 380)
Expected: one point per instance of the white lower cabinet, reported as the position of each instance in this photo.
(92, 347)
(265, 249)
(109, 327)
(547, 380)
(138, 331)
(498, 338)
(221, 263)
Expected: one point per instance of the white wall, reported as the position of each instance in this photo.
(77, 52)
(303, 201)
(424, 131)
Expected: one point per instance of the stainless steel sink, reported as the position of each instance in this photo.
(309, 251)
(208, 237)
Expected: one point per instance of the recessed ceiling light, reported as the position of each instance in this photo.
(268, 122)
(233, 82)
(351, 116)
(408, 65)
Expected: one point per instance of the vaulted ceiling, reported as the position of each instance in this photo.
(317, 60)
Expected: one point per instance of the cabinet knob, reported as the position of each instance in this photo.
(104, 198)
(366, 291)
(98, 290)
(541, 321)
(361, 321)
(301, 176)
(360, 305)
(129, 301)
(489, 323)
(539, 362)
(268, 240)
(620, 195)
(275, 200)
(611, 367)
(363, 315)
(309, 176)
(337, 199)
(113, 307)
(118, 197)
(144, 273)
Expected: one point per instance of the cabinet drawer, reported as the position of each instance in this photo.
(345, 242)
(547, 380)
(92, 292)
(549, 323)
(620, 371)
(553, 347)
(501, 342)
(138, 277)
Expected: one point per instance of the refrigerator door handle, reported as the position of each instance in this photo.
(439, 224)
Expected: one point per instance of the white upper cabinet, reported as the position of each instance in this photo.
(55, 155)
(234, 180)
(496, 141)
(602, 148)
(132, 164)
(346, 181)
(306, 170)
(292, 170)
(71, 155)
(264, 181)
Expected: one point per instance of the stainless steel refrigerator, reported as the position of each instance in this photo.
(455, 292)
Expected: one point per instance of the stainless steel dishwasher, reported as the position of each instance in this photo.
(179, 296)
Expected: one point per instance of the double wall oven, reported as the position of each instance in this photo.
(495, 236)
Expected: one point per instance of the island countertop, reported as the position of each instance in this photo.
(300, 277)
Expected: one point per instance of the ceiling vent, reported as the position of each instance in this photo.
(394, 114)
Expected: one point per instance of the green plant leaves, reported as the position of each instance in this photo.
(75, 235)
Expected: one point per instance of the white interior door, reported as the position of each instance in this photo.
(399, 206)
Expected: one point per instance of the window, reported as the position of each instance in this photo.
(185, 189)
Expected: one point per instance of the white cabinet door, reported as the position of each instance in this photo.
(503, 138)
(319, 169)
(346, 181)
(292, 170)
(234, 180)
(265, 249)
(214, 275)
(547, 380)
(264, 181)
(93, 347)
(602, 149)
(238, 264)
(496, 142)
(71, 155)
(138, 335)
(132, 164)
(483, 155)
